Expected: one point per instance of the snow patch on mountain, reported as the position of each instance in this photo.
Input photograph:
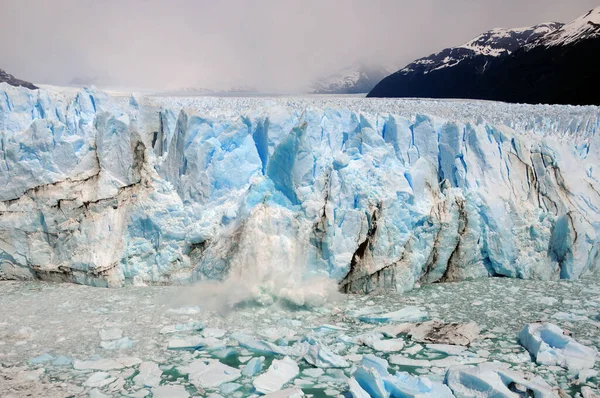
(355, 79)
(494, 43)
(585, 27)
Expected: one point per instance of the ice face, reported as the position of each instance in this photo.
(290, 197)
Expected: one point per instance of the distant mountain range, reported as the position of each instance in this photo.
(551, 63)
(13, 81)
(355, 79)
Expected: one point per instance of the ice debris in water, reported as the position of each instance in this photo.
(170, 391)
(407, 314)
(253, 366)
(149, 375)
(209, 373)
(551, 346)
(184, 327)
(110, 334)
(321, 356)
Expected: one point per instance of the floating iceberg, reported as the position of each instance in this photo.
(366, 194)
(550, 346)
(491, 380)
(279, 373)
(372, 379)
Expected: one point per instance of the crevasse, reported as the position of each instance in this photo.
(374, 194)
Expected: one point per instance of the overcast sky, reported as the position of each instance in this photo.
(273, 45)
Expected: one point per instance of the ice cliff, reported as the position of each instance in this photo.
(375, 194)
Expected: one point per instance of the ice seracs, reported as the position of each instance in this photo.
(327, 194)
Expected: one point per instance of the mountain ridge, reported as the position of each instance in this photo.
(547, 60)
(6, 77)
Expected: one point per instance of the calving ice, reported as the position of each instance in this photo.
(365, 194)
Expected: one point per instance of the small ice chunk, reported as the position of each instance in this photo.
(258, 346)
(110, 334)
(550, 346)
(95, 393)
(170, 391)
(566, 316)
(547, 300)
(371, 382)
(138, 394)
(209, 373)
(589, 392)
(313, 372)
(321, 356)
(370, 361)
(186, 343)
(149, 375)
(41, 359)
(254, 366)
(287, 393)
(129, 361)
(33, 375)
(447, 348)
(99, 379)
(228, 388)
(390, 345)
(62, 360)
(99, 364)
(412, 350)
(120, 344)
(405, 361)
(406, 314)
(183, 327)
(394, 330)
(186, 310)
(586, 374)
(356, 390)
(213, 332)
(327, 329)
(279, 373)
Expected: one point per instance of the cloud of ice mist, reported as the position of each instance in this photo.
(269, 265)
(276, 45)
(223, 297)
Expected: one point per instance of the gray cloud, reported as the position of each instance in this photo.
(269, 44)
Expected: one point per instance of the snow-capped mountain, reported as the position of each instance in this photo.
(547, 63)
(355, 79)
(13, 81)
(495, 43)
(583, 28)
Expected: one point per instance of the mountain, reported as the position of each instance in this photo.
(10, 79)
(550, 63)
(356, 79)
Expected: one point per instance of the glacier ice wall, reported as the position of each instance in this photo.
(376, 194)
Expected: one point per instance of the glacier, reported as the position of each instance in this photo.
(282, 193)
